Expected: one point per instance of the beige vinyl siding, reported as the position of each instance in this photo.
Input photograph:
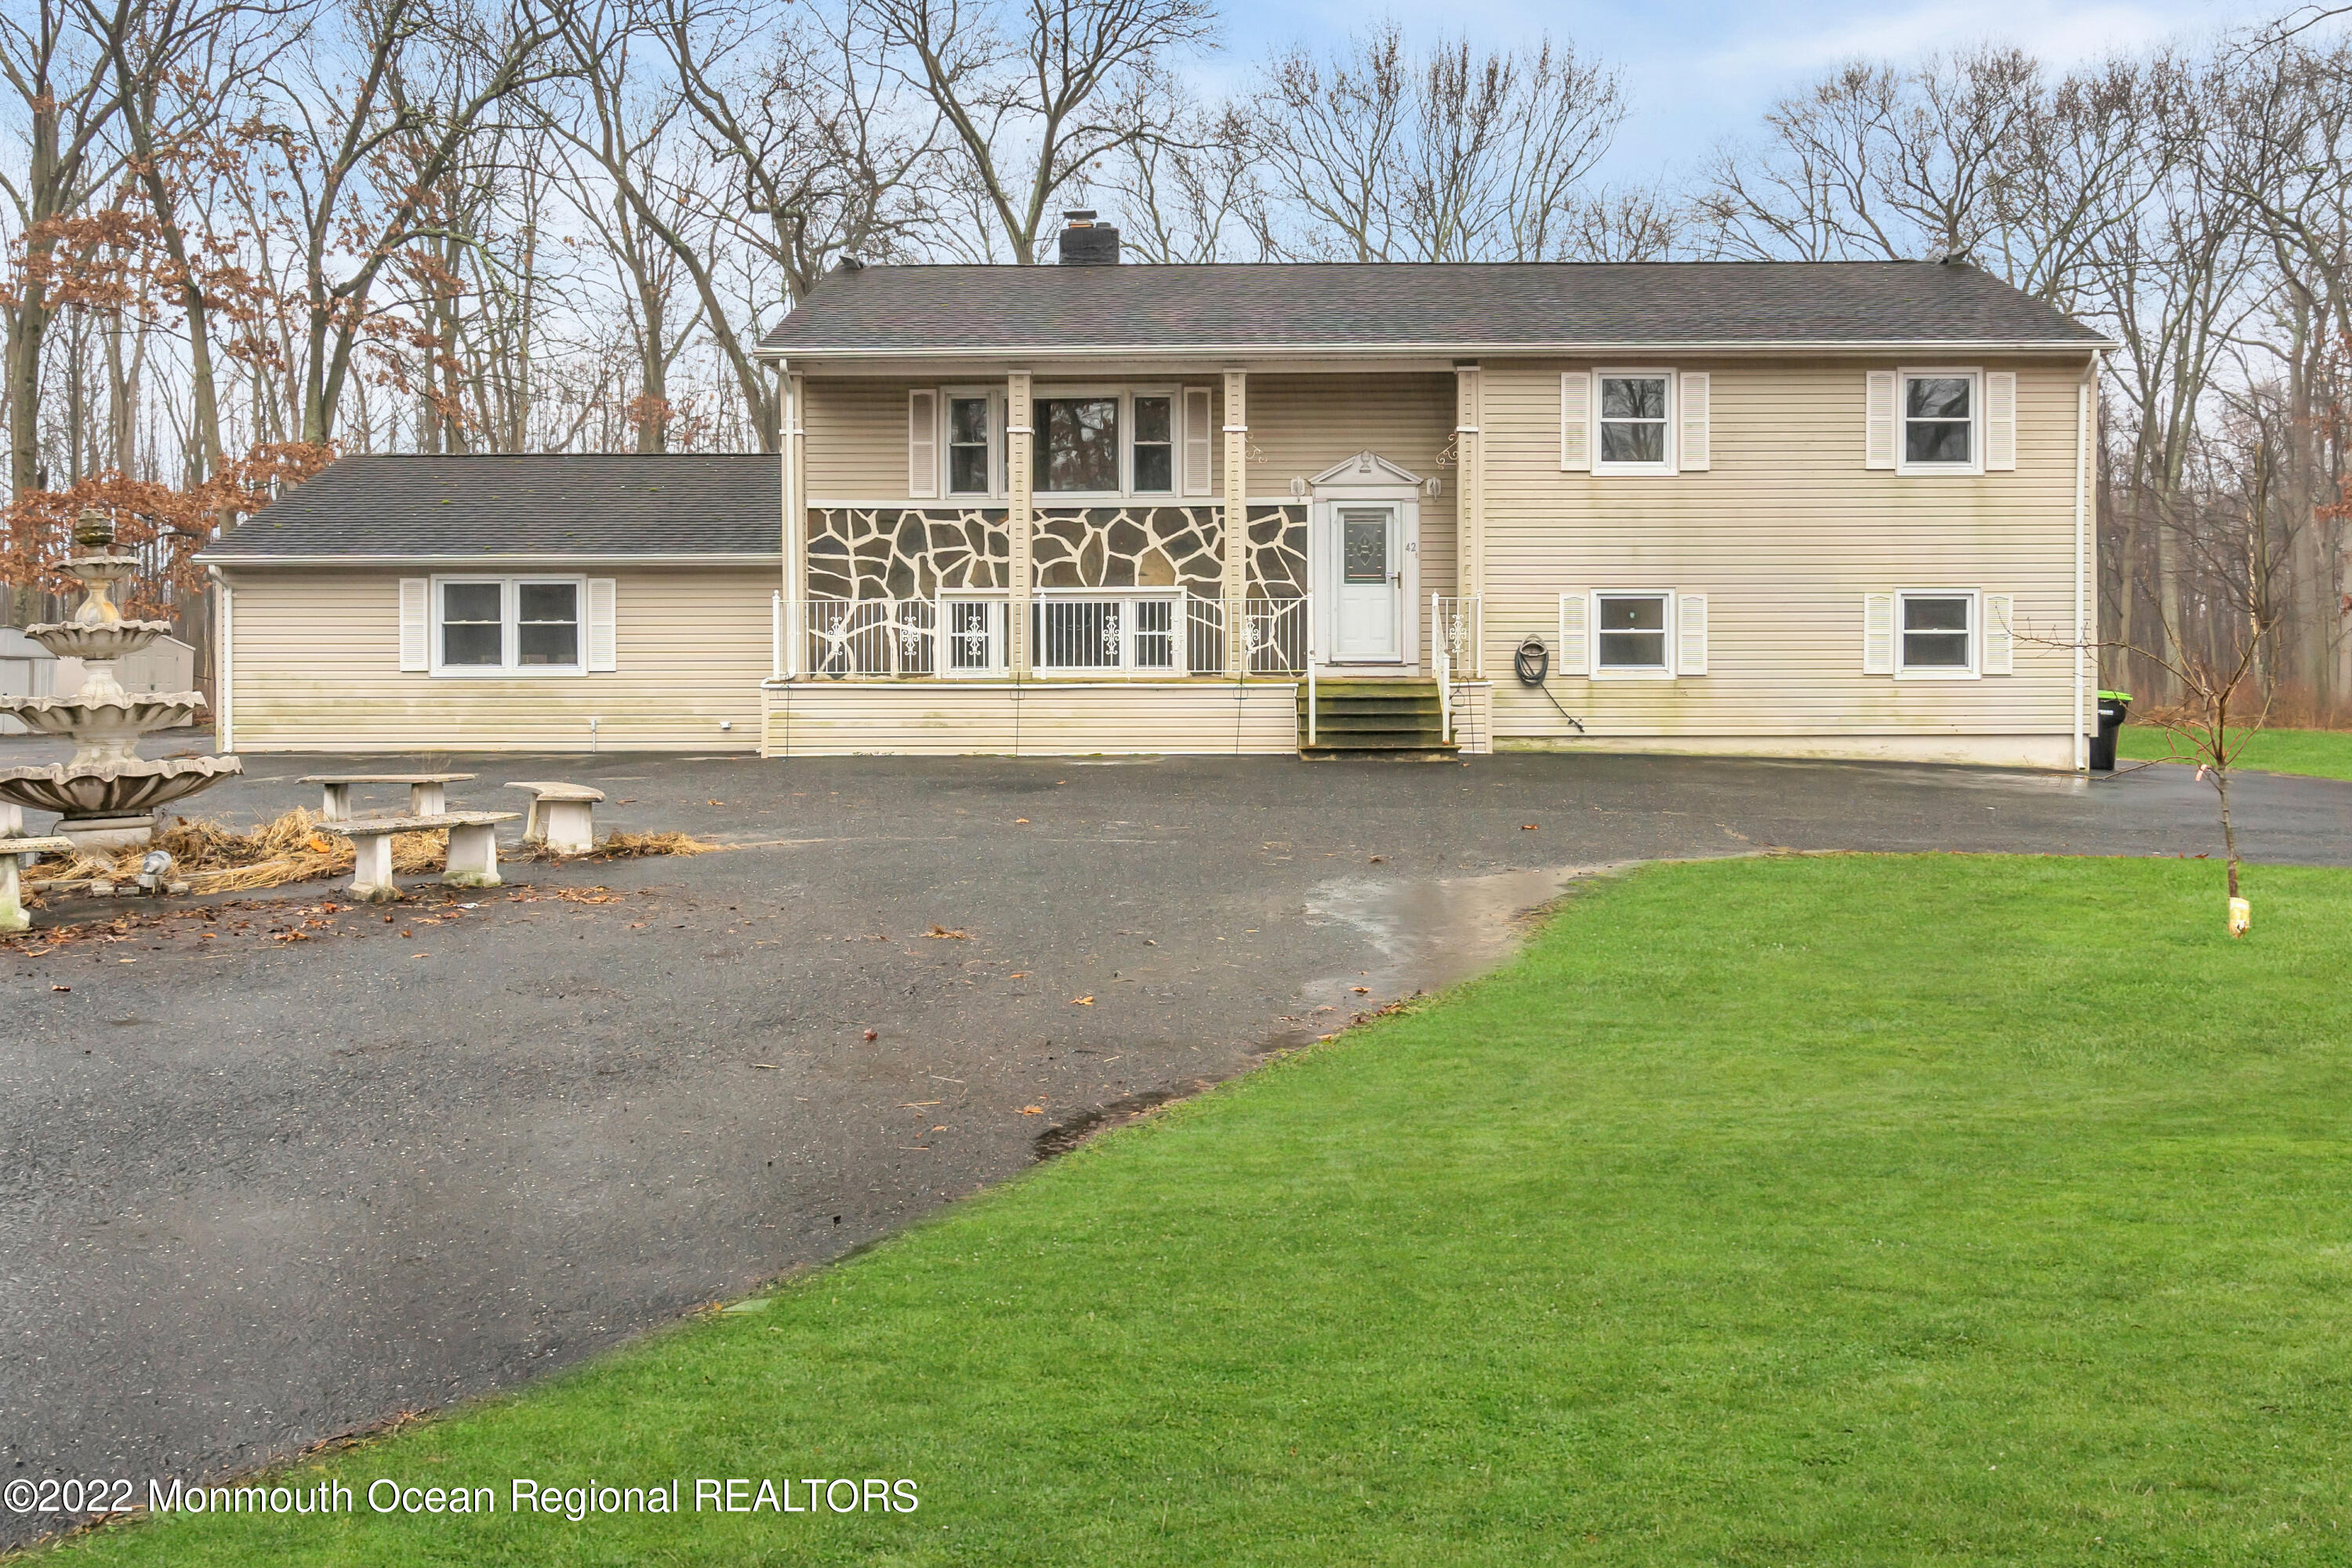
(857, 440)
(1302, 425)
(315, 663)
(946, 718)
(1785, 534)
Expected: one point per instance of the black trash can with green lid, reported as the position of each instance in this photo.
(2113, 706)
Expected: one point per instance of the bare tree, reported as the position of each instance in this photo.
(68, 96)
(1030, 96)
(1193, 192)
(1451, 156)
(363, 149)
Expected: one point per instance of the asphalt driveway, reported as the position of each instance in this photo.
(273, 1169)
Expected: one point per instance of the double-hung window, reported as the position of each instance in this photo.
(1629, 633)
(1938, 422)
(505, 624)
(1634, 421)
(1936, 635)
(1153, 446)
(972, 444)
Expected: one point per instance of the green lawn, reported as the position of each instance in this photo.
(2322, 753)
(1834, 1210)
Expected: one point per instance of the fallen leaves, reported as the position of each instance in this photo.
(1526, 827)
(60, 987)
(588, 895)
(1033, 1111)
(1361, 990)
(873, 1034)
(1020, 822)
(942, 932)
(1082, 1000)
(767, 1067)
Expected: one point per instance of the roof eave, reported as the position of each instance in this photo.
(503, 558)
(1562, 348)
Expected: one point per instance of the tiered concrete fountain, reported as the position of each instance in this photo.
(108, 794)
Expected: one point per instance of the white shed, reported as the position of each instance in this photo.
(28, 669)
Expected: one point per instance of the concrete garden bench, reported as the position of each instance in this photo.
(428, 793)
(12, 897)
(473, 850)
(563, 816)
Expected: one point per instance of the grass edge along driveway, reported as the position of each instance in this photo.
(2316, 753)
(1832, 1210)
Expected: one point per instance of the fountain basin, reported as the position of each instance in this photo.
(104, 727)
(111, 805)
(98, 640)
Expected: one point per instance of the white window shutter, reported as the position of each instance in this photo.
(1197, 441)
(1575, 654)
(1878, 634)
(1694, 422)
(1999, 634)
(1879, 442)
(415, 623)
(1576, 420)
(2000, 421)
(922, 443)
(603, 623)
(1690, 634)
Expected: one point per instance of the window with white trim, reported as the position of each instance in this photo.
(494, 626)
(1631, 634)
(1940, 412)
(1936, 635)
(1153, 460)
(1085, 442)
(971, 444)
(1633, 413)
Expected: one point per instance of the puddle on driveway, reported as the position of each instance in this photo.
(1428, 934)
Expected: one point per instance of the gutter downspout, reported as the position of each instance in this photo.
(2082, 559)
(224, 664)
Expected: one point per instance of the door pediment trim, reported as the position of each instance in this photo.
(1365, 469)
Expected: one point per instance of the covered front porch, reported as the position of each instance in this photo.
(1080, 566)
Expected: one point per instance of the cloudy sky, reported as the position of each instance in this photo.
(1699, 70)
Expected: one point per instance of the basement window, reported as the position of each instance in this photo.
(1937, 636)
(1630, 634)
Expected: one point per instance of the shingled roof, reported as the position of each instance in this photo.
(1441, 307)
(593, 507)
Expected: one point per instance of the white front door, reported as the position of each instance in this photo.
(1368, 546)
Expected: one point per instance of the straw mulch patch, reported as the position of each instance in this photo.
(295, 847)
(629, 846)
(290, 849)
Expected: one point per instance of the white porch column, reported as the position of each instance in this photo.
(1470, 501)
(1019, 475)
(1236, 518)
(796, 519)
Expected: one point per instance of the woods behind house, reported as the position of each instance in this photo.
(243, 236)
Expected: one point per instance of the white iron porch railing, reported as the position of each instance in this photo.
(1073, 635)
(1456, 651)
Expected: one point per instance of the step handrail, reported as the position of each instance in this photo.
(1310, 669)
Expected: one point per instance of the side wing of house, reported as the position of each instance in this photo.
(594, 657)
(1773, 571)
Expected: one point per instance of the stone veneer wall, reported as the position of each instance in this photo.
(915, 552)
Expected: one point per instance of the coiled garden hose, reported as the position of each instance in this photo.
(1531, 664)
